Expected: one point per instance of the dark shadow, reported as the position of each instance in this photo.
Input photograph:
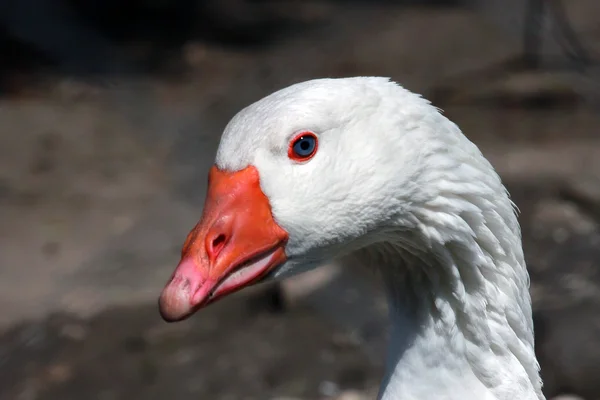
(111, 38)
(98, 39)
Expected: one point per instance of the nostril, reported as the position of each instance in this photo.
(218, 242)
(216, 245)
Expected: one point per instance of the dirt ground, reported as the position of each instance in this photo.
(100, 184)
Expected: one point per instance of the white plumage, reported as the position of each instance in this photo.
(396, 185)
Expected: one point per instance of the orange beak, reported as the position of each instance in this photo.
(235, 244)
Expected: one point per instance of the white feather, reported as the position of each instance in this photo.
(397, 185)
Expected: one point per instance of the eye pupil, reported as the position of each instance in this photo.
(303, 147)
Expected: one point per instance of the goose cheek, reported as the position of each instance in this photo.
(236, 243)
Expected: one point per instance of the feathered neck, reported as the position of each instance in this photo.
(459, 302)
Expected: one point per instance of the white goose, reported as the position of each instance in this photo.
(361, 167)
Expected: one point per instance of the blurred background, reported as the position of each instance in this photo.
(110, 114)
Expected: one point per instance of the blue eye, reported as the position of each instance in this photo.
(303, 147)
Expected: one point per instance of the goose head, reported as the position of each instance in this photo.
(314, 171)
(363, 167)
